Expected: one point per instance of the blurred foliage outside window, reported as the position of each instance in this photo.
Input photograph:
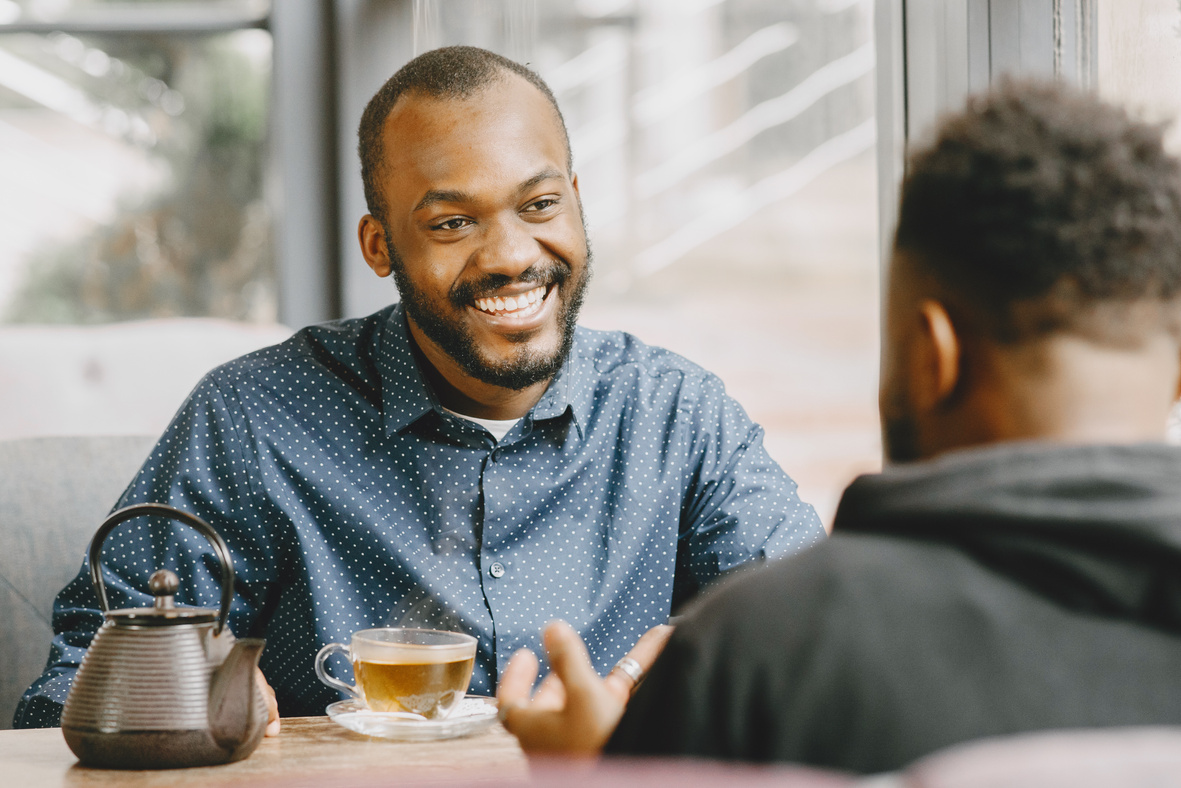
(136, 168)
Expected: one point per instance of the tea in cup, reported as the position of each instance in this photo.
(413, 671)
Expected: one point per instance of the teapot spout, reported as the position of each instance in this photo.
(237, 711)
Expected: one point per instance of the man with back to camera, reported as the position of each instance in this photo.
(466, 457)
(1020, 568)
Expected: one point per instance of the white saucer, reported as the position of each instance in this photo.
(473, 714)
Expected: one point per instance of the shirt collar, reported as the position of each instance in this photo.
(571, 390)
(406, 396)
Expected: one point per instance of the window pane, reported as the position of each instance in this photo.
(1139, 51)
(134, 176)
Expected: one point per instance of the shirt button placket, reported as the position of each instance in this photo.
(494, 550)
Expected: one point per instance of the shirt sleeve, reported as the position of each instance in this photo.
(201, 465)
(740, 505)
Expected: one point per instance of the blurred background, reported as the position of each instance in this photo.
(178, 181)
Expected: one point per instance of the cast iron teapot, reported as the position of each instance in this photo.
(165, 686)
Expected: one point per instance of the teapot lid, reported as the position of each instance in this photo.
(164, 612)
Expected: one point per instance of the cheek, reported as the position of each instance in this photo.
(434, 274)
(892, 389)
(893, 373)
(565, 237)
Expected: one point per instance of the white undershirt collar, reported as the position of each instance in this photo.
(498, 427)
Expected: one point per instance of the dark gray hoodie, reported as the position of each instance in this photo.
(991, 591)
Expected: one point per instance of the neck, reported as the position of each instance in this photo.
(462, 393)
(1065, 389)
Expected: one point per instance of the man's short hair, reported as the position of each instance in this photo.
(1040, 209)
(455, 72)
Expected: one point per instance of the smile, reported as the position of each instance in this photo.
(520, 306)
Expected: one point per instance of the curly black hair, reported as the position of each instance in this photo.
(455, 72)
(1039, 207)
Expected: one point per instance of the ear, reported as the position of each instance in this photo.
(373, 244)
(935, 364)
(574, 183)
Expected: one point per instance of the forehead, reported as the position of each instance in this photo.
(494, 139)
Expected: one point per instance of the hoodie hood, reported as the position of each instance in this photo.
(1094, 528)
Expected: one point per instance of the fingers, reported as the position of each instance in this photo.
(516, 683)
(550, 693)
(650, 644)
(644, 653)
(569, 659)
(578, 714)
(268, 694)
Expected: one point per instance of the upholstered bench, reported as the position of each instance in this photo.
(54, 493)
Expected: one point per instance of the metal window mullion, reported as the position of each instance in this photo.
(891, 111)
(304, 161)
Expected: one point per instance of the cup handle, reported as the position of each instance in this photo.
(325, 677)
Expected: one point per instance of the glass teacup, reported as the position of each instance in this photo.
(422, 672)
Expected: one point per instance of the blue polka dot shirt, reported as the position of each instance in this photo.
(351, 499)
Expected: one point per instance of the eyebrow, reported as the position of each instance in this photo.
(544, 175)
(434, 196)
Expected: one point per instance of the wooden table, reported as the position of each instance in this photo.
(310, 751)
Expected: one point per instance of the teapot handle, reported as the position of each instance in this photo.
(205, 529)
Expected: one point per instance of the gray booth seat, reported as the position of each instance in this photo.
(54, 493)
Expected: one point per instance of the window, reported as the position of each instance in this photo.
(1139, 58)
(133, 138)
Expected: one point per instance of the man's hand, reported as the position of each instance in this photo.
(574, 711)
(272, 704)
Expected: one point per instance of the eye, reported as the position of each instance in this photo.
(540, 205)
(457, 223)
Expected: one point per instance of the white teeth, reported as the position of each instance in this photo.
(524, 301)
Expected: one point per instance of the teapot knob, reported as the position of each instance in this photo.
(163, 585)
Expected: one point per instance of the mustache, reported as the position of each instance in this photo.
(544, 273)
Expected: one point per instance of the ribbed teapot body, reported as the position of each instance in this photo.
(164, 686)
(140, 698)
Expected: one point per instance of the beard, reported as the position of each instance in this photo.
(527, 366)
(900, 439)
(900, 434)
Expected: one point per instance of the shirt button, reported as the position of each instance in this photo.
(497, 569)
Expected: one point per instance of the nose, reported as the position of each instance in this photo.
(508, 247)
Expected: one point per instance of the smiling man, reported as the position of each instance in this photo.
(467, 458)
